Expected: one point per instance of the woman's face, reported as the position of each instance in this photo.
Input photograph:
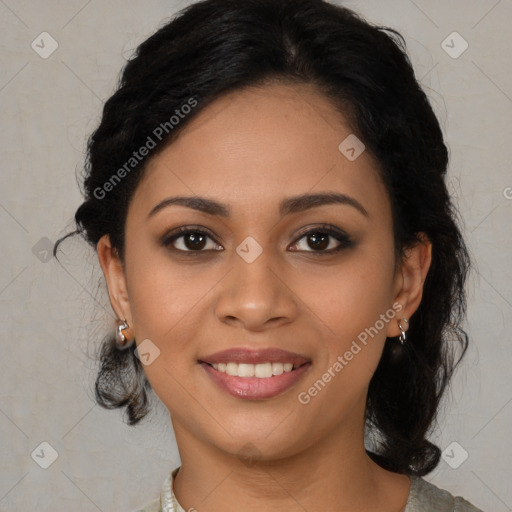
(264, 276)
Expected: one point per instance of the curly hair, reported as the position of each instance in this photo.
(213, 47)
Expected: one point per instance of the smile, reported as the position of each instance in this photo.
(260, 371)
(260, 381)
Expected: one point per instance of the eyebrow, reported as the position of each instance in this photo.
(287, 206)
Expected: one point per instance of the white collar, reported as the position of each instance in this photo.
(168, 501)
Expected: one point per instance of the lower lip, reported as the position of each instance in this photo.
(254, 388)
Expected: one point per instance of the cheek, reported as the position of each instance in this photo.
(349, 297)
(161, 293)
(352, 305)
(163, 301)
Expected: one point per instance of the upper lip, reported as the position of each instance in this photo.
(248, 356)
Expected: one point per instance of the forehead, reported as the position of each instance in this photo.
(254, 146)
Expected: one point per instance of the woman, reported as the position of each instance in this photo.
(266, 193)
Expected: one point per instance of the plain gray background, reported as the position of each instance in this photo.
(54, 315)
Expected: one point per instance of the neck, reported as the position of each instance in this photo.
(334, 473)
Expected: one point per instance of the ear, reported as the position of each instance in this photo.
(409, 280)
(113, 271)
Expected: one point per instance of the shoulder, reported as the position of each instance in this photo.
(154, 506)
(425, 497)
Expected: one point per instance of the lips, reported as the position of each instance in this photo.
(241, 355)
(245, 373)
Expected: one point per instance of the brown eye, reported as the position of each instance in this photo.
(318, 241)
(324, 240)
(194, 241)
(191, 240)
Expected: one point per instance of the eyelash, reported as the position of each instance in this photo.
(343, 239)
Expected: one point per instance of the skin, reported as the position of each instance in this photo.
(250, 150)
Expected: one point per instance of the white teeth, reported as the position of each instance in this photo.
(263, 370)
(260, 370)
(231, 369)
(277, 368)
(245, 370)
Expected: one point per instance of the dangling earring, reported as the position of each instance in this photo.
(121, 339)
(402, 337)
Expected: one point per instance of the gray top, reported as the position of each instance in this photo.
(423, 497)
(426, 497)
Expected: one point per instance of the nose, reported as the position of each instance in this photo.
(256, 296)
